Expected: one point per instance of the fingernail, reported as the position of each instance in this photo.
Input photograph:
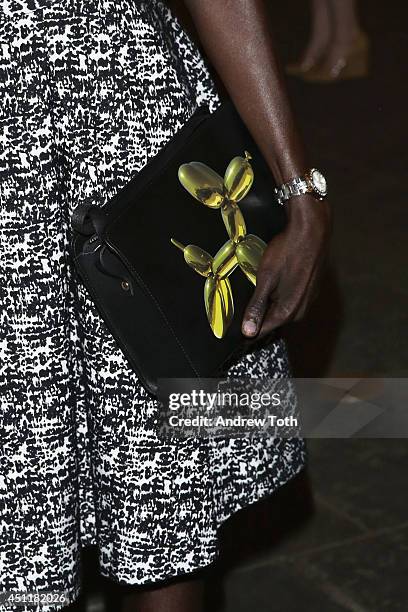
(250, 328)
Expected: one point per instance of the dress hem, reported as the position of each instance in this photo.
(209, 556)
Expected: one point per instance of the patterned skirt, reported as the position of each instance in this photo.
(90, 90)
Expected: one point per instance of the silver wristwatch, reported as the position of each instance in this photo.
(312, 182)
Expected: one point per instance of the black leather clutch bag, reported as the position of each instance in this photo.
(170, 319)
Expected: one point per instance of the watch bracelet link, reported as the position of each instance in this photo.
(298, 186)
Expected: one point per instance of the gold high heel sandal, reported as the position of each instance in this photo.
(354, 65)
(297, 70)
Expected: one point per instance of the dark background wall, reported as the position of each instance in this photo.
(357, 131)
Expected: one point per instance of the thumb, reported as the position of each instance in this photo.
(257, 306)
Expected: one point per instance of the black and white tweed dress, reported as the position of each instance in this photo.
(89, 91)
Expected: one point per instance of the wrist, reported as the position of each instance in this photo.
(305, 210)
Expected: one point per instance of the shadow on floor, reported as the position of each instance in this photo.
(255, 531)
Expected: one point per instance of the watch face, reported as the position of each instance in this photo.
(319, 182)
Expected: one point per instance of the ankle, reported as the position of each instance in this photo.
(347, 39)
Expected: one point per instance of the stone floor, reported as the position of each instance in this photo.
(348, 551)
(336, 538)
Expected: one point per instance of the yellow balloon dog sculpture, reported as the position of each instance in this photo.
(242, 249)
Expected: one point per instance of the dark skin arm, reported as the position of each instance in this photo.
(236, 37)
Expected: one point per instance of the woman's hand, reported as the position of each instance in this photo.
(290, 268)
(237, 38)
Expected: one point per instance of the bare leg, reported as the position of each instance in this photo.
(179, 596)
(346, 32)
(321, 33)
(346, 23)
